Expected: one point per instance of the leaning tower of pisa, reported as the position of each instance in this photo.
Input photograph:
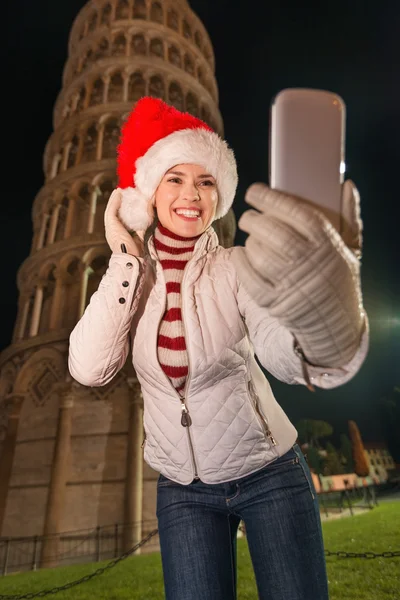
(70, 457)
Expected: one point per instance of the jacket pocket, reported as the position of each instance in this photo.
(260, 417)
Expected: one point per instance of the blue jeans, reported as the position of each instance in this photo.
(198, 524)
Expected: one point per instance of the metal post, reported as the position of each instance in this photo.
(349, 501)
(323, 504)
(34, 557)
(116, 533)
(339, 503)
(347, 495)
(370, 497)
(6, 555)
(98, 543)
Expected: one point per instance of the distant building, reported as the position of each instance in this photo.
(379, 460)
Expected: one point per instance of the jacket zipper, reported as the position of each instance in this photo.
(186, 420)
(262, 419)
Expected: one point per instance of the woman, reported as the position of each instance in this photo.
(195, 315)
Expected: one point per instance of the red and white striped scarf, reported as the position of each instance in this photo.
(173, 252)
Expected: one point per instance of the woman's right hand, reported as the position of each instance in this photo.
(116, 235)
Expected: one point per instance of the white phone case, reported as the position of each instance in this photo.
(307, 133)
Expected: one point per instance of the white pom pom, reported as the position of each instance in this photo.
(134, 212)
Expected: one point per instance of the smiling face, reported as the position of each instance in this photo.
(186, 200)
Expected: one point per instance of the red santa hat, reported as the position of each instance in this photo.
(155, 138)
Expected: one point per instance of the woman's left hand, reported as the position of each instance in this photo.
(308, 275)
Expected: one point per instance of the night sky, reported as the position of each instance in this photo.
(351, 48)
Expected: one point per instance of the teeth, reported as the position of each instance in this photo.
(187, 213)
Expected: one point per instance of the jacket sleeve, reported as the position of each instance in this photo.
(274, 346)
(99, 343)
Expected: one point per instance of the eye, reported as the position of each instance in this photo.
(207, 182)
(175, 180)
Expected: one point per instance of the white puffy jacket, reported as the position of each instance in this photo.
(237, 426)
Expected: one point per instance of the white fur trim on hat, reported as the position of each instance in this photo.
(187, 146)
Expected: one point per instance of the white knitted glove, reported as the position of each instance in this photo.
(295, 263)
(118, 238)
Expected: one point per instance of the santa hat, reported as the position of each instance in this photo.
(155, 138)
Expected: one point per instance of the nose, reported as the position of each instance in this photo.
(191, 193)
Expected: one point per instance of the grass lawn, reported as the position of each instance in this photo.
(140, 577)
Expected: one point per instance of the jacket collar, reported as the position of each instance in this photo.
(207, 241)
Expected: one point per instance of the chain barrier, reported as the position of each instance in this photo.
(71, 584)
(113, 563)
(342, 554)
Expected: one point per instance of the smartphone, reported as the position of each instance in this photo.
(307, 147)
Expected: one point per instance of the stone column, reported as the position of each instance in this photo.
(42, 232)
(20, 325)
(59, 475)
(12, 405)
(106, 86)
(53, 224)
(37, 309)
(134, 469)
(64, 163)
(83, 290)
(100, 140)
(70, 217)
(35, 237)
(125, 92)
(55, 314)
(92, 210)
(55, 165)
(79, 150)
